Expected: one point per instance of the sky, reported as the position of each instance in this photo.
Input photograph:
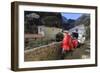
(71, 15)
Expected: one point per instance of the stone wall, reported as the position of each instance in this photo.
(47, 52)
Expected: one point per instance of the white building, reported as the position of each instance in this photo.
(81, 32)
(48, 32)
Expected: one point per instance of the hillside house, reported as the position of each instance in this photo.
(81, 32)
(48, 32)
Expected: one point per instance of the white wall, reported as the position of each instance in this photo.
(49, 32)
(5, 38)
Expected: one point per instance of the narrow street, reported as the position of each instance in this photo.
(83, 52)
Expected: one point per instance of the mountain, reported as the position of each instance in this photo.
(67, 23)
(64, 19)
(84, 19)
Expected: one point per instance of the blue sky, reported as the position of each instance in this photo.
(71, 15)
